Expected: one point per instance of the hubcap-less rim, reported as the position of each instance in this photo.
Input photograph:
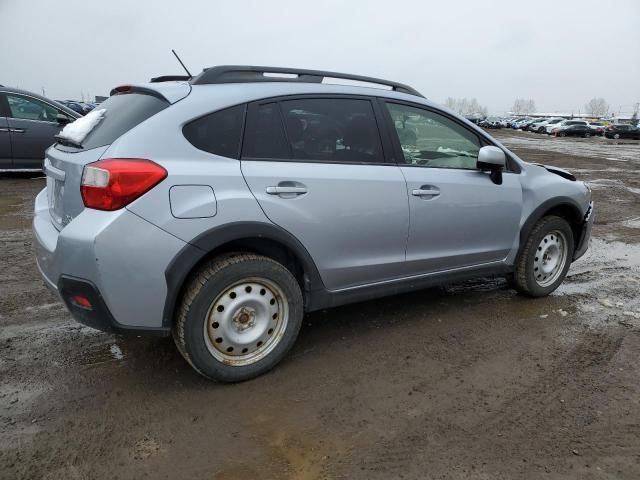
(550, 258)
(246, 321)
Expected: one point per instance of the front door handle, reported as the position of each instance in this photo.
(426, 191)
(286, 190)
(17, 130)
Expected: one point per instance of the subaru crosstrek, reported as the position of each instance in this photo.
(221, 208)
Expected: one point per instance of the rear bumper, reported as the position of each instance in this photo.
(585, 236)
(98, 315)
(117, 257)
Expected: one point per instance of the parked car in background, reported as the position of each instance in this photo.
(597, 128)
(28, 123)
(563, 124)
(551, 124)
(513, 123)
(532, 127)
(522, 123)
(79, 107)
(622, 131)
(541, 127)
(491, 122)
(256, 202)
(574, 129)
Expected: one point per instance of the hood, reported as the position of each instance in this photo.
(558, 171)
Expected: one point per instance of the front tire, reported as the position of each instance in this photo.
(240, 314)
(545, 257)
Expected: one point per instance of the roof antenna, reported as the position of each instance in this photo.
(185, 68)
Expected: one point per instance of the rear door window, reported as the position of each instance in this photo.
(218, 133)
(123, 112)
(332, 130)
(265, 137)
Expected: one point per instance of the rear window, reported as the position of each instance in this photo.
(123, 112)
(218, 133)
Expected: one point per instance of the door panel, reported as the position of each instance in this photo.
(459, 216)
(335, 193)
(5, 144)
(469, 221)
(353, 219)
(30, 139)
(32, 126)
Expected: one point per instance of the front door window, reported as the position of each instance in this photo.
(429, 139)
(25, 108)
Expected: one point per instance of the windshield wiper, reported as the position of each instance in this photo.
(67, 141)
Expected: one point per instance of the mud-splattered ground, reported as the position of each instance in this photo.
(469, 381)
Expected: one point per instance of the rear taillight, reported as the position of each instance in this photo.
(114, 183)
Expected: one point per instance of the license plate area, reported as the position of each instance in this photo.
(55, 191)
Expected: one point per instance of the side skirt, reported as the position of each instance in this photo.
(320, 299)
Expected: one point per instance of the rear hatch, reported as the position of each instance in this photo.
(64, 161)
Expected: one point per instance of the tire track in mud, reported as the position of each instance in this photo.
(538, 406)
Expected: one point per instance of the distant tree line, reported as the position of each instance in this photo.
(523, 106)
(466, 107)
(596, 107)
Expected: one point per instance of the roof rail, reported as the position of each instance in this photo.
(170, 78)
(250, 74)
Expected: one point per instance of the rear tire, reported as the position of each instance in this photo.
(239, 316)
(545, 257)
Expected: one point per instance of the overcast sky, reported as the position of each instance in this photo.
(559, 53)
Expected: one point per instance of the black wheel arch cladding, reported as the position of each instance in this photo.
(201, 247)
(554, 206)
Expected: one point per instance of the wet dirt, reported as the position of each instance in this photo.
(466, 381)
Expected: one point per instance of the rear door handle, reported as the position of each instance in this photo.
(285, 190)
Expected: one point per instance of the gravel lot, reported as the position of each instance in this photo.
(468, 381)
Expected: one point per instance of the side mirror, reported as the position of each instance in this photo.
(492, 159)
(63, 119)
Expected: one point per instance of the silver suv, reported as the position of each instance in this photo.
(222, 207)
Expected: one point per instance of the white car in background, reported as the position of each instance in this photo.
(551, 124)
(540, 127)
(563, 125)
(597, 127)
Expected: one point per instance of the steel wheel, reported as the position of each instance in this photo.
(246, 322)
(550, 258)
